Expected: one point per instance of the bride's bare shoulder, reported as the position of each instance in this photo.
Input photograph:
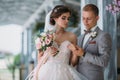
(72, 37)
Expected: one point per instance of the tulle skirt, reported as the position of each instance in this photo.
(56, 70)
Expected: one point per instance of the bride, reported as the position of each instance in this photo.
(60, 66)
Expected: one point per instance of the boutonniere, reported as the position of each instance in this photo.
(93, 34)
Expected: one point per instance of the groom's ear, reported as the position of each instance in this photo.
(97, 17)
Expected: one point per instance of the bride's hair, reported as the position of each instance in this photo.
(57, 12)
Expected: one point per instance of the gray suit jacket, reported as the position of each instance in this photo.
(97, 55)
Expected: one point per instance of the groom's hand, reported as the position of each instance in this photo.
(79, 51)
(76, 50)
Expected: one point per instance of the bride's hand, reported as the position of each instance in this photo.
(72, 47)
(53, 51)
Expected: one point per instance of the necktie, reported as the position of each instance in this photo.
(87, 31)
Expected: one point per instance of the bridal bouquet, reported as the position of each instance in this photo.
(45, 40)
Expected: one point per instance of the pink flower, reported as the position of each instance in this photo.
(47, 41)
(114, 7)
(118, 3)
(38, 45)
(44, 41)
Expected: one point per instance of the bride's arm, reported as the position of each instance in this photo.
(40, 54)
(73, 58)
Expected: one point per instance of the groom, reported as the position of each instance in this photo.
(94, 46)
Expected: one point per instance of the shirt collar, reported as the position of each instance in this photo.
(93, 28)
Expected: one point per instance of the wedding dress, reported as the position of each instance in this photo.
(57, 67)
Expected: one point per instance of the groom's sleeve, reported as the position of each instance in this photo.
(104, 50)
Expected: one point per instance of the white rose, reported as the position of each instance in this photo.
(93, 34)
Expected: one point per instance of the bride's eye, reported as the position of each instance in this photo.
(68, 19)
(64, 18)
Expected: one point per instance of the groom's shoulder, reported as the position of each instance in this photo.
(102, 33)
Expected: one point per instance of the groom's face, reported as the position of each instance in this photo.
(89, 19)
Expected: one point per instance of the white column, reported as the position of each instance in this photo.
(100, 21)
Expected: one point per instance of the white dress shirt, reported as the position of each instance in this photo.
(87, 36)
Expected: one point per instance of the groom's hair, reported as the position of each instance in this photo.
(58, 11)
(91, 7)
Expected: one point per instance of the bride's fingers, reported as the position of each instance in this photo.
(72, 47)
(55, 52)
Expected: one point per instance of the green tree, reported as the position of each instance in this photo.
(14, 64)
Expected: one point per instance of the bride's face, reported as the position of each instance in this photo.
(63, 20)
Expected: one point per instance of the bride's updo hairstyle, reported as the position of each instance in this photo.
(57, 12)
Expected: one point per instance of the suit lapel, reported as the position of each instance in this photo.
(81, 40)
(87, 43)
(90, 39)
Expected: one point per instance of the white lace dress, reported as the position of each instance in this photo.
(58, 68)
